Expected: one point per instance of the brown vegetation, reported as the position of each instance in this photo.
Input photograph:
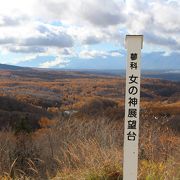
(69, 125)
(77, 148)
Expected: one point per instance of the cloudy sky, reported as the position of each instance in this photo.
(88, 33)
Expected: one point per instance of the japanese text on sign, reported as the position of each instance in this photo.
(133, 100)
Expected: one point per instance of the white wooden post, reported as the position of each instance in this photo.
(132, 100)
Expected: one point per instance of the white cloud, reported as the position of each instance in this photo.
(157, 20)
(19, 59)
(91, 54)
(56, 63)
(102, 20)
(25, 49)
(115, 53)
(26, 26)
(12, 8)
(7, 20)
(36, 34)
(100, 13)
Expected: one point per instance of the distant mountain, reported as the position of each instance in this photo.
(171, 75)
(11, 67)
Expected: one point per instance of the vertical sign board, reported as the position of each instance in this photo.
(132, 100)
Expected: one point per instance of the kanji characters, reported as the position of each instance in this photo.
(131, 136)
(133, 79)
(132, 113)
(133, 101)
(133, 56)
(131, 124)
(133, 65)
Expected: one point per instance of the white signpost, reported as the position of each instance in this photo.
(134, 45)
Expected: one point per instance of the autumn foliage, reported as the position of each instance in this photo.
(69, 125)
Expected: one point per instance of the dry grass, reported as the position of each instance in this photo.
(90, 149)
